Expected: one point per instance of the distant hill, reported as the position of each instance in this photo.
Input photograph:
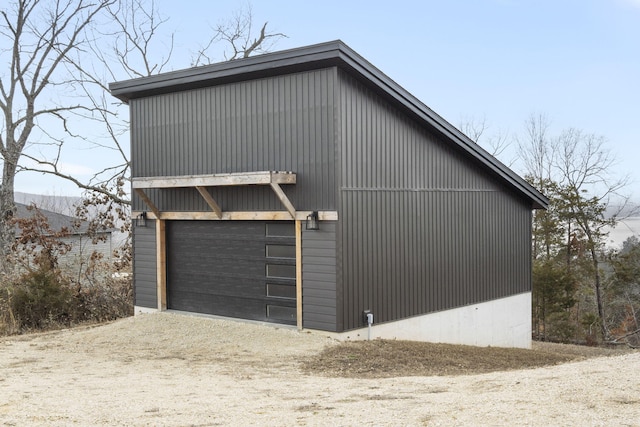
(64, 205)
(622, 231)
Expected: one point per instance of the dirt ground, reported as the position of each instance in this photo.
(176, 370)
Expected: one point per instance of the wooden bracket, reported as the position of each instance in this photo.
(284, 199)
(210, 201)
(148, 201)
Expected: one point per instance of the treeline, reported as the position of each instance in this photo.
(583, 291)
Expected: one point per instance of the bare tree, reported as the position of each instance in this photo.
(40, 36)
(476, 130)
(578, 173)
(473, 128)
(133, 38)
(136, 48)
(63, 53)
(238, 34)
(537, 150)
(585, 167)
(137, 40)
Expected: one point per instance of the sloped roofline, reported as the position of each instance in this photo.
(57, 221)
(333, 53)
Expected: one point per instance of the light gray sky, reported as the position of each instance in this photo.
(576, 61)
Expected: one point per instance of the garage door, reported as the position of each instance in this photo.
(243, 269)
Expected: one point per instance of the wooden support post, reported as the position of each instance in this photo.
(161, 263)
(299, 274)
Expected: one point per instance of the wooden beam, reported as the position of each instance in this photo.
(283, 177)
(299, 274)
(241, 215)
(148, 201)
(210, 201)
(214, 180)
(161, 264)
(284, 199)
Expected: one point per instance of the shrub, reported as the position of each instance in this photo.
(42, 299)
(43, 293)
(8, 322)
(110, 300)
(559, 327)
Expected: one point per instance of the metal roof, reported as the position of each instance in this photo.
(56, 221)
(334, 53)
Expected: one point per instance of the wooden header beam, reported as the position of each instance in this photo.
(215, 180)
(242, 215)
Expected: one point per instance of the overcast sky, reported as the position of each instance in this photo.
(576, 61)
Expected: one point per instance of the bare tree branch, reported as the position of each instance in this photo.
(59, 56)
(495, 144)
(119, 171)
(135, 38)
(537, 150)
(237, 34)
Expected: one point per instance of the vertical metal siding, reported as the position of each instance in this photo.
(145, 266)
(422, 227)
(319, 278)
(277, 123)
(82, 247)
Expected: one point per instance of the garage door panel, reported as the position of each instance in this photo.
(220, 248)
(199, 276)
(245, 308)
(225, 267)
(212, 270)
(226, 286)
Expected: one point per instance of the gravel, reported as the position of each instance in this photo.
(174, 370)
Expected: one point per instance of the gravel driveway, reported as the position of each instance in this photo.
(175, 370)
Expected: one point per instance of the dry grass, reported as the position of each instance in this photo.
(384, 359)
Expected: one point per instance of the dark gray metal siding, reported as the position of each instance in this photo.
(277, 123)
(309, 58)
(319, 277)
(145, 265)
(422, 226)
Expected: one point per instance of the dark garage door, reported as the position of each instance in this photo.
(243, 269)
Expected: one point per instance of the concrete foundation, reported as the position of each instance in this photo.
(505, 322)
(143, 310)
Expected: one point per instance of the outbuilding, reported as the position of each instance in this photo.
(81, 243)
(305, 187)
